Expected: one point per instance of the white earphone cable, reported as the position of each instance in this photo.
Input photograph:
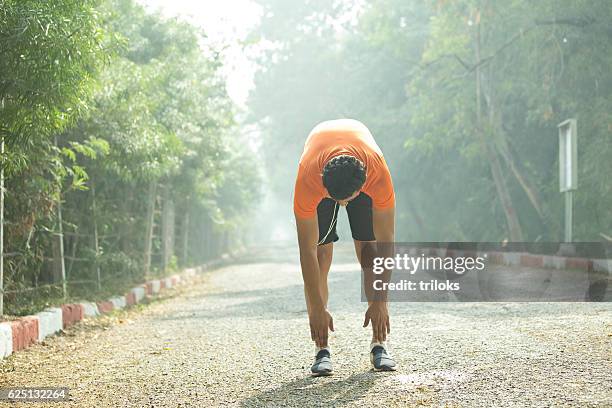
(331, 225)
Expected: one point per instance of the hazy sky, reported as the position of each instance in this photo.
(225, 22)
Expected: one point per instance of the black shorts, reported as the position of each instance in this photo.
(359, 212)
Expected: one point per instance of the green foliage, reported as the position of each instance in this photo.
(101, 102)
(51, 52)
(407, 69)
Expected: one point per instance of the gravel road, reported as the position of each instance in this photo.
(239, 337)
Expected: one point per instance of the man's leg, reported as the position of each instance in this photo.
(379, 355)
(361, 245)
(360, 219)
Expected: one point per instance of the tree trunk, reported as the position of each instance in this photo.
(226, 242)
(2, 224)
(502, 147)
(527, 186)
(185, 237)
(168, 219)
(208, 239)
(514, 228)
(148, 239)
(59, 268)
(96, 238)
(74, 244)
(126, 226)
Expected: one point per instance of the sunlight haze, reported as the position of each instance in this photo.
(225, 27)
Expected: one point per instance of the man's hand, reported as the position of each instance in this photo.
(378, 314)
(320, 322)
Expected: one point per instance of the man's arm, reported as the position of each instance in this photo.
(308, 234)
(383, 222)
(320, 320)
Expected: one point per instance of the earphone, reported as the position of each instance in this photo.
(331, 225)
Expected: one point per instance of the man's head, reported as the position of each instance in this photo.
(343, 177)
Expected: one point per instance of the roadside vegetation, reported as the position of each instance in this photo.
(122, 158)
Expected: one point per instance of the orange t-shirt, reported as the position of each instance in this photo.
(334, 138)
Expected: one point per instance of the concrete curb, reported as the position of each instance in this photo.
(139, 293)
(25, 332)
(118, 302)
(50, 322)
(524, 259)
(6, 339)
(90, 309)
(21, 333)
(166, 283)
(72, 313)
(105, 306)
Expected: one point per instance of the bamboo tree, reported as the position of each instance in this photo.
(58, 240)
(167, 227)
(2, 222)
(95, 236)
(148, 236)
(185, 233)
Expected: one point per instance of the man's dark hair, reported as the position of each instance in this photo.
(343, 175)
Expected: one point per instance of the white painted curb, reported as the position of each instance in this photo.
(6, 339)
(155, 286)
(139, 293)
(44, 319)
(55, 321)
(90, 309)
(512, 258)
(602, 265)
(50, 320)
(118, 302)
(47, 324)
(555, 262)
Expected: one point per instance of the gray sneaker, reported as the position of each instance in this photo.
(322, 365)
(381, 360)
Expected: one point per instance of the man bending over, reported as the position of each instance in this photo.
(342, 166)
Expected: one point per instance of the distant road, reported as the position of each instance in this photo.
(240, 338)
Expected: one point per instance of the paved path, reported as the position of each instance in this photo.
(239, 337)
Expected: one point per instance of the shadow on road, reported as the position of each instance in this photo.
(311, 391)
